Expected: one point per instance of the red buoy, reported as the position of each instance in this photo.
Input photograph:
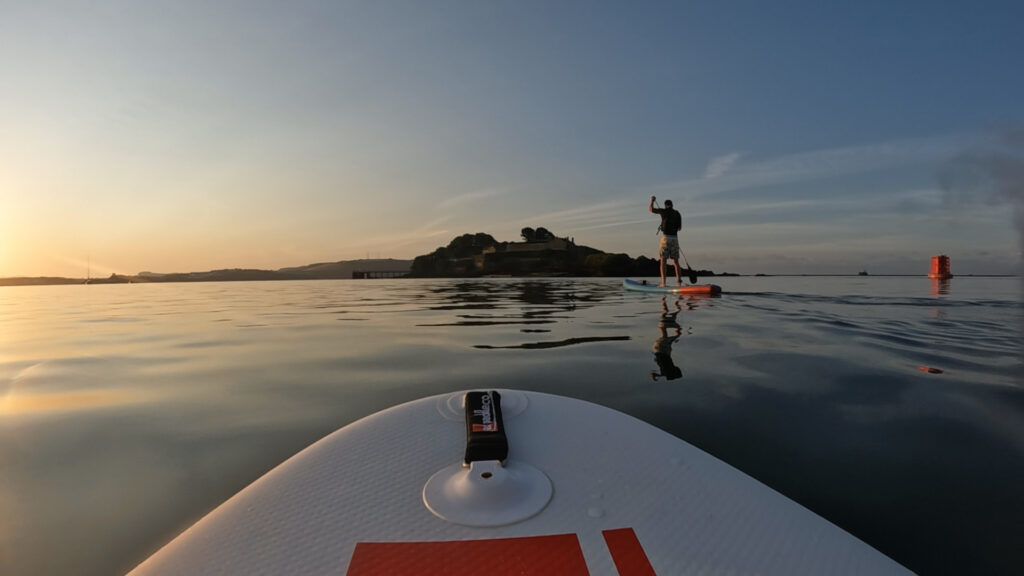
(940, 268)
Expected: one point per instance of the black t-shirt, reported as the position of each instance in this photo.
(671, 220)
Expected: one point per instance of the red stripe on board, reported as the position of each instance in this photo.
(629, 556)
(532, 556)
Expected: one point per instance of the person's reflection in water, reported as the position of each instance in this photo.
(663, 345)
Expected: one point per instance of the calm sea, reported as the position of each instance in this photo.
(894, 407)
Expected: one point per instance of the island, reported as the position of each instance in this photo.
(540, 253)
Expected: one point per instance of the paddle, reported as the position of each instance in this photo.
(693, 273)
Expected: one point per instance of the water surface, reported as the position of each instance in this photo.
(891, 406)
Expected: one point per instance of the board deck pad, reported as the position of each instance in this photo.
(555, 554)
(628, 499)
(645, 286)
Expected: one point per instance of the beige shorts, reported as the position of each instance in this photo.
(669, 248)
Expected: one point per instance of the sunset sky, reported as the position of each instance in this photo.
(796, 137)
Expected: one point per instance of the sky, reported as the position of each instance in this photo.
(795, 137)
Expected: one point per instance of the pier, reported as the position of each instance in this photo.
(377, 274)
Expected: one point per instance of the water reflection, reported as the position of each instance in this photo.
(554, 303)
(555, 344)
(940, 286)
(662, 348)
(489, 294)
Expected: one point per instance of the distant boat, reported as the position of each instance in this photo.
(862, 273)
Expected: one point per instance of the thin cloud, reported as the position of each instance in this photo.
(471, 197)
(433, 228)
(720, 165)
(991, 170)
(895, 204)
(613, 214)
(817, 165)
(588, 215)
(614, 224)
(409, 240)
(725, 174)
(394, 241)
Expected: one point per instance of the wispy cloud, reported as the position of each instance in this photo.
(392, 242)
(892, 204)
(725, 174)
(586, 212)
(435, 227)
(592, 216)
(720, 165)
(991, 171)
(615, 223)
(471, 197)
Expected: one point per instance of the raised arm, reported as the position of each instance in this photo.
(650, 207)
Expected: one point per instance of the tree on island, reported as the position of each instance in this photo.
(541, 234)
(470, 244)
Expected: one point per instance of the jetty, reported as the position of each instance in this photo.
(377, 274)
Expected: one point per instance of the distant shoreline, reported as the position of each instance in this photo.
(60, 281)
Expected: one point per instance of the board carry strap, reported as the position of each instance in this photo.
(485, 429)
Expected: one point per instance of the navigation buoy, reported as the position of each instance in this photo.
(940, 268)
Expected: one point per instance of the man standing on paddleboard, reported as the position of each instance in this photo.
(671, 222)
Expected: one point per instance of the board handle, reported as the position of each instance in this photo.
(485, 428)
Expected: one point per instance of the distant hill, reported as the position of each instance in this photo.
(320, 271)
(345, 269)
(39, 281)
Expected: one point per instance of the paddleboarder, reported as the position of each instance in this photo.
(671, 222)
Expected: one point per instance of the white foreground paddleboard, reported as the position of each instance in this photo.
(584, 490)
